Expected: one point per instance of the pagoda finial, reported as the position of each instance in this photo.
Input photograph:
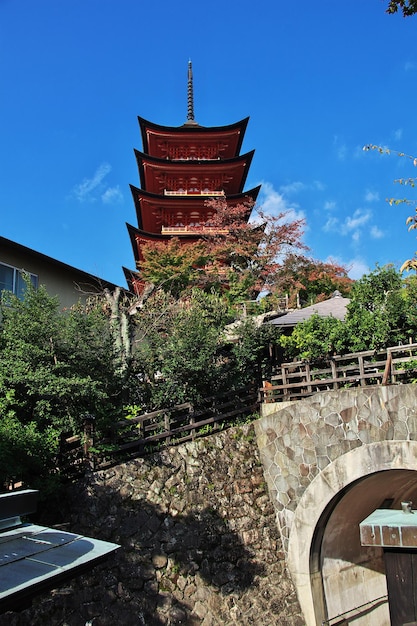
(190, 94)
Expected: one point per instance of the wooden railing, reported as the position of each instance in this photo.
(147, 432)
(207, 192)
(198, 230)
(299, 379)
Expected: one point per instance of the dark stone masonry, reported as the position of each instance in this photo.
(199, 543)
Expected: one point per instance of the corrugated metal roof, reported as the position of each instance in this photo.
(334, 306)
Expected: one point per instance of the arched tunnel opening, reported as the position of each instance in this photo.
(348, 580)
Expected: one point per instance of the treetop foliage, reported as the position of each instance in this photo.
(408, 7)
(230, 251)
(307, 281)
(183, 352)
(382, 312)
(55, 367)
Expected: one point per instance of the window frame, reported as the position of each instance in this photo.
(18, 285)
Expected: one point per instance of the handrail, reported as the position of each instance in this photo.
(208, 193)
(299, 379)
(195, 229)
(344, 619)
(141, 433)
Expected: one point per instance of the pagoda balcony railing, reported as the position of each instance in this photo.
(198, 230)
(194, 193)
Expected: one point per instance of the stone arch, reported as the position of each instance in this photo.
(357, 469)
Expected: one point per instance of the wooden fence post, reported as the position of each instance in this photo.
(88, 439)
(387, 370)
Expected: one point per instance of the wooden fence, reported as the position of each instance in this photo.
(293, 381)
(149, 431)
(299, 379)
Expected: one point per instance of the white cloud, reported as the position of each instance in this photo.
(358, 152)
(84, 190)
(331, 225)
(357, 268)
(274, 203)
(354, 223)
(398, 134)
(329, 205)
(294, 187)
(112, 195)
(377, 233)
(371, 196)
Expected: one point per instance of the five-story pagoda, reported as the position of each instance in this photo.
(180, 168)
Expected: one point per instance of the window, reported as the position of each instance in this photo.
(12, 279)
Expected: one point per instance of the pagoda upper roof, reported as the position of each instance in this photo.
(156, 138)
(155, 173)
(148, 205)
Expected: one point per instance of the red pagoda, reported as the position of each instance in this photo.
(179, 169)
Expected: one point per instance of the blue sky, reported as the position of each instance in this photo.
(319, 80)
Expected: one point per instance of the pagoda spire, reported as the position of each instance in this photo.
(190, 95)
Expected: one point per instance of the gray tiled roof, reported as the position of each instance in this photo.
(334, 306)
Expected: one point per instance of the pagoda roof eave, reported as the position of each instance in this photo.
(147, 202)
(180, 166)
(191, 128)
(144, 124)
(251, 193)
(179, 202)
(144, 156)
(137, 233)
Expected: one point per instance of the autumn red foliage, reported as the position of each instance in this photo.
(237, 251)
(307, 281)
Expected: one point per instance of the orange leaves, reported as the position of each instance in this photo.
(230, 248)
(309, 279)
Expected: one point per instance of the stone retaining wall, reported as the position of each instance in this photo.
(200, 544)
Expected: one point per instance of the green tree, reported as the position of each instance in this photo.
(195, 347)
(377, 313)
(54, 368)
(315, 339)
(408, 7)
(382, 312)
(251, 360)
(173, 266)
(26, 453)
(60, 366)
(178, 346)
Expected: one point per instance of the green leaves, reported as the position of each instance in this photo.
(382, 312)
(408, 7)
(25, 451)
(315, 339)
(184, 354)
(54, 367)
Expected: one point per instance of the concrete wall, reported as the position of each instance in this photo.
(60, 279)
(329, 461)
